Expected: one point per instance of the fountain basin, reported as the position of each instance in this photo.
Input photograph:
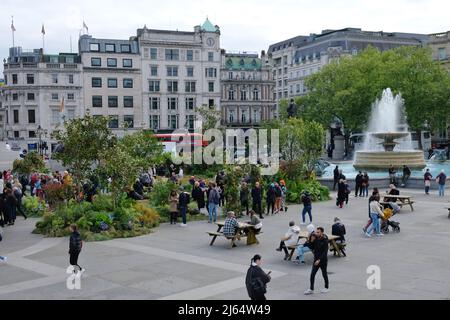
(380, 160)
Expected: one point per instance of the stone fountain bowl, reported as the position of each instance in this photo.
(389, 135)
(382, 160)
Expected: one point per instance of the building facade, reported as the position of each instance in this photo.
(112, 82)
(40, 92)
(247, 90)
(180, 71)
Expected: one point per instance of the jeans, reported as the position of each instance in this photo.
(183, 214)
(322, 266)
(427, 189)
(375, 224)
(307, 209)
(365, 191)
(441, 190)
(212, 211)
(301, 253)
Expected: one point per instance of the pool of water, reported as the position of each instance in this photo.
(350, 172)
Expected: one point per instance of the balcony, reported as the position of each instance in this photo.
(53, 66)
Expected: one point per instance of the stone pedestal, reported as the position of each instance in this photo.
(339, 148)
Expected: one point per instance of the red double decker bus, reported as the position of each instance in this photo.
(182, 139)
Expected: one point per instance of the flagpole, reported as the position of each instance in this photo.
(12, 30)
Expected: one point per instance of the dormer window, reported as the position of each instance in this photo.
(242, 62)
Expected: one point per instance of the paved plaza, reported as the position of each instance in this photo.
(178, 263)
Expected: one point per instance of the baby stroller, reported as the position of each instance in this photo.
(389, 212)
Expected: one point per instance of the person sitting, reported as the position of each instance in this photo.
(230, 227)
(174, 178)
(307, 246)
(256, 229)
(392, 191)
(338, 229)
(289, 239)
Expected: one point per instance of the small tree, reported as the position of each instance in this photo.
(209, 116)
(144, 148)
(32, 162)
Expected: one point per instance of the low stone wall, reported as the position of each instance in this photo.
(382, 183)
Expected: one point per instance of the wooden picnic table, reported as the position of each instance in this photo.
(404, 200)
(240, 233)
(305, 235)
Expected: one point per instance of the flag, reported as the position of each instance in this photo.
(85, 26)
(12, 26)
(61, 106)
(43, 29)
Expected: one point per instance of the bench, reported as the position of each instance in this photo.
(341, 247)
(216, 234)
(399, 203)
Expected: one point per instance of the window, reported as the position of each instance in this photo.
(190, 55)
(112, 62)
(15, 96)
(30, 78)
(172, 121)
(128, 121)
(256, 116)
(210, 86)
(190, 71)
(243, 95)
(94, 47)
(154, 103)
(154, 122)
(55, 116)
(96, 82)
(172, 71)
(112, 102)
(97, 101)
(113, 122)
(190, 120)
(255, 94)
(71, 78)
(154, 71)
(128, 83)
(71, 96)
(442, 54)
(172, 86)
(297, 89)
(153, 86)
(6, 79)
(172, 103)
(244, 116)
(190, 86)
(126, 48)
(31, 116)
(231, 116)
(230, 75)
(96, 62)
(211, 72)
(16, 134)
(31, 134)
(14, 78)
(210, 56)
(112, 82)
(354, 52)
(211, 103)
(172, 54)
(127, 63)
(231, 94)
(30, 96)
(54, 78)
(128, 102)
(153, 53)
(16, 116)
(110, 47)
(190, 103)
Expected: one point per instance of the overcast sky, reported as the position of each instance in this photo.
(246, 25)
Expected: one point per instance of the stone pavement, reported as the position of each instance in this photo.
(178, 263)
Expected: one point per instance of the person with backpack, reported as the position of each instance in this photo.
(320, 260)
(270, 198)
(440, 179)
(257, 199)
(283, 195)
(213, 203)
(75, 245)
(307, 206)
(183, 201)
(256, 280)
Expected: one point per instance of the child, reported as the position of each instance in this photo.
(75, 245)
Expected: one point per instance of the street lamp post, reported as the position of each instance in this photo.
(41, 144)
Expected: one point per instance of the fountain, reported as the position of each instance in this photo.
(387, 142)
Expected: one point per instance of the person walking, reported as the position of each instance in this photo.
(358, 184)
(307, 206)
(256, 280)
(278, 195)
(341, 194)
(376, 212)
(17, 191)
(440, 179)
(173, 206)
(270, 198)
(244, 194)
(213, 203)
(75, 245)
(183, 202)
(427, 181)
(10, 206)
(198, 195)
(320, 251)
(257, 199)
(335, 177)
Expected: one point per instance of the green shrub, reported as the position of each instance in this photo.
(33, 207)
(160, 193)
(55, 193)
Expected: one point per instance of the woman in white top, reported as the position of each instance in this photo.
(376, 212)
(289, 239)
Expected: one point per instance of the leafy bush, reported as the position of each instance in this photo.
(149, 216)
(160, 193)
(33, 207)
(315, 189)
(55, 193)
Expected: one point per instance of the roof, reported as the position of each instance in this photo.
(208, 26)
(242, 62)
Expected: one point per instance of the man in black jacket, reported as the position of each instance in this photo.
(358, 184)
(335, 177)
(75, 245)
(183, 202)
(320, 250)
(256, 280)
(257, 199)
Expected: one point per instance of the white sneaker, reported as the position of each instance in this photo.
(309, 291)
(3, 259)
(324, 290)
(368, 235)
(183, 225)
(380, 234)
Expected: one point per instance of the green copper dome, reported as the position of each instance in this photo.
(208, 26)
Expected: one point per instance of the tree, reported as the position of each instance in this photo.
(209, 116)
(84, 141)
(32, 162)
